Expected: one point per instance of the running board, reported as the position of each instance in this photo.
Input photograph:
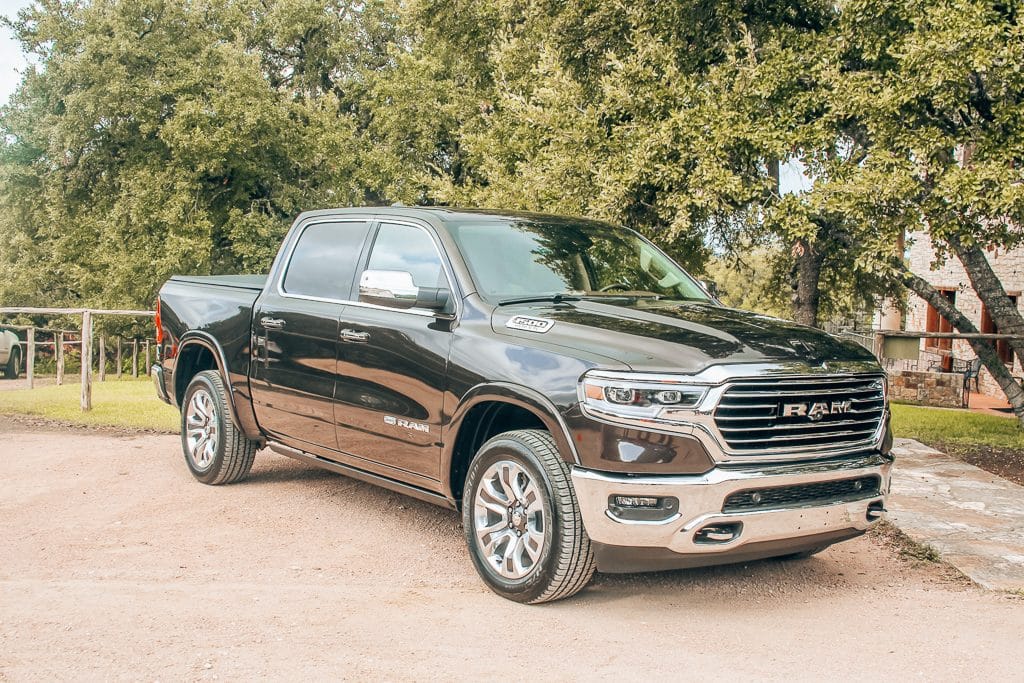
(361, 475)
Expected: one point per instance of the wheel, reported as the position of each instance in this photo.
(13, 367)
(215, 450)
(522, 520)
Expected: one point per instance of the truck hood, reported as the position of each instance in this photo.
(654, 336)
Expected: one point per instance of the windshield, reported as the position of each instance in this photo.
(525, 259)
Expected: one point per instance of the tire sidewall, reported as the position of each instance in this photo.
(210, 473)
(13, 369)
(536, 582)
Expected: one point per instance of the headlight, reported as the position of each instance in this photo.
(623, 396)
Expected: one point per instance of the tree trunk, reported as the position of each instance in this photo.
(990, 290)
(806, 277)
(985, 349)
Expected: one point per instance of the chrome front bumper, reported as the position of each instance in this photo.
(701, 499)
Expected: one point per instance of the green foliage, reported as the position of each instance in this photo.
(163, 136)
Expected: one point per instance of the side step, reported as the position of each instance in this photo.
(361, 475)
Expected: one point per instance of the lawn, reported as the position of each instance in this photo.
(938, 425)
(126, 403)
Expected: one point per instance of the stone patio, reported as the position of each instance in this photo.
(974, 519)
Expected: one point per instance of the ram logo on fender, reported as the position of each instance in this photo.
(816, 411)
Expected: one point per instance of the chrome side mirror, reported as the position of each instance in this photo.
(396, 289)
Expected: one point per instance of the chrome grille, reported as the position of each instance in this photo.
(749, 416)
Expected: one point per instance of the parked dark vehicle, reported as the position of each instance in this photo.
(583, 401)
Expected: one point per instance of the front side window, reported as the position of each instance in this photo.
(410, 249)
(324, 259)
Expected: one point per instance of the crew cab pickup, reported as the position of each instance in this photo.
(584, 402)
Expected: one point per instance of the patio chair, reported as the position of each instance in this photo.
(972, 371)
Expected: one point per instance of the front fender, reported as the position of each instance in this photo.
(515, 394)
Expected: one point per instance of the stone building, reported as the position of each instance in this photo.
(950, 278)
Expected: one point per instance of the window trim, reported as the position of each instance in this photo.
(294, 242)
(364, 256)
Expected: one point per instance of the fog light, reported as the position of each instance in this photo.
(636, 501)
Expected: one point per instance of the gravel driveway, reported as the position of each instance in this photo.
(116, 564)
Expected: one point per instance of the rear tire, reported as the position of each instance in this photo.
(522, 520)
(216, 452)
(13, 368)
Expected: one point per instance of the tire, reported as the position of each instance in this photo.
(522, 520)
(13, 368)
(216, 452)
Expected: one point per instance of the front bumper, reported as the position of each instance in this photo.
(683, 539)
(157, 372)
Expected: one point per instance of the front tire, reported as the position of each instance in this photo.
(216, 452)
(13, 368)
(522, 520)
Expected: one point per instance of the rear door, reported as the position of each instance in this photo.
(392, 364)
(295, 332)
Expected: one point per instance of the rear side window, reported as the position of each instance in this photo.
(408, 248)
(323, 263)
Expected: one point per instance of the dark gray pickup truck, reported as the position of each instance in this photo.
(583, 401)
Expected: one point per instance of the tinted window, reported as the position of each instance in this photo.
(323, 263)
(404, 247)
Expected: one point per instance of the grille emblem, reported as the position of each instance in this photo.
(816, 411)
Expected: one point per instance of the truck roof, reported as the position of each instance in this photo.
(448, 214)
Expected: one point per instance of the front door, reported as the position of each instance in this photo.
(295, 333)
(392, 364)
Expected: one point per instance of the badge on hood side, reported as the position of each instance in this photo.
(530, 324)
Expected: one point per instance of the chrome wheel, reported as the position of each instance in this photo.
(508, 519)
(201, 429)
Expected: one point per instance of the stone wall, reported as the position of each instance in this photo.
(1008, 265)
(942, 389)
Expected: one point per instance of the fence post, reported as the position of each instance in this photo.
(145, 368)
(119, 357)
(58, 339)
(135, 357)
(103, 358)
(87, 361)
(30, 358)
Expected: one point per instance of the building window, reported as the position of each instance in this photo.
(988, 326)
(936, 323)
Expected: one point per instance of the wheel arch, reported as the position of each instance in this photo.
(490, 409)
(198, 351)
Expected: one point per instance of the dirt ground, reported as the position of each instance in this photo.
(115, 564)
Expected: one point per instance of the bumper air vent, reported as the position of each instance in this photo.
(803, 495)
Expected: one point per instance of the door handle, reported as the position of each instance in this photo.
(354, 336)
(272, 323)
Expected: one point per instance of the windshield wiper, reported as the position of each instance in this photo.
(540, 298)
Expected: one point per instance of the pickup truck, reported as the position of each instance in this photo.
(584, 402)
(10, 354)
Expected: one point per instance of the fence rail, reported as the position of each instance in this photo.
(86, 344)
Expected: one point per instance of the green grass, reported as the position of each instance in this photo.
(938, 425)
(128, 404)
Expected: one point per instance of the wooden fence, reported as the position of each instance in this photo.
(85, 341)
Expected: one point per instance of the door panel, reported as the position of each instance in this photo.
(390, 388)
(295, 332)
(392, 364)
(293, 369)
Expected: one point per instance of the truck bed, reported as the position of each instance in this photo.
(254, 282)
